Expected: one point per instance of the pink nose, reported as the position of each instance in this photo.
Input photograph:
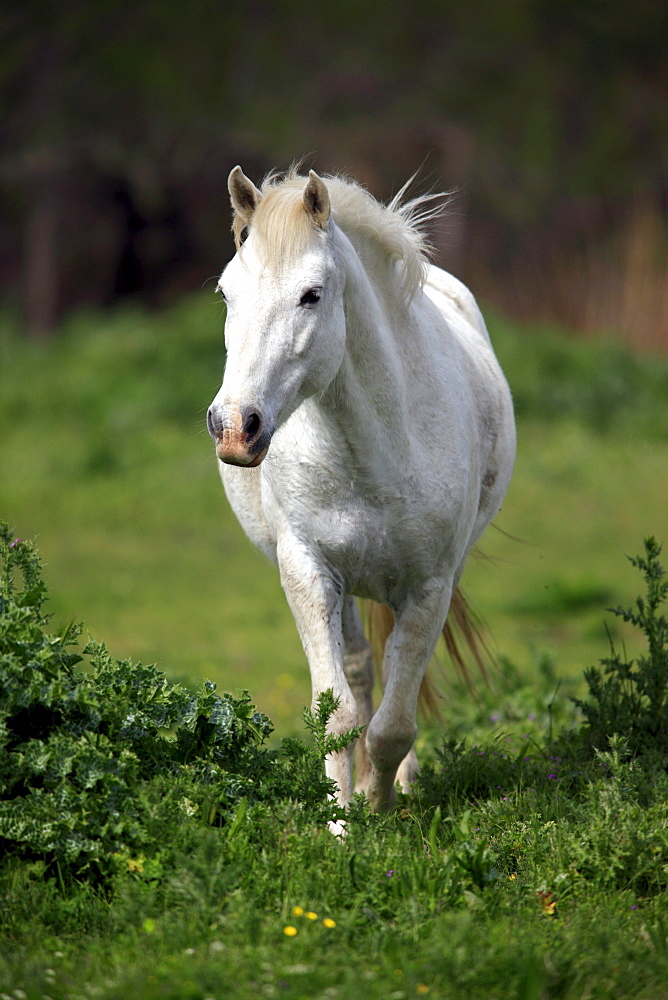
(239, 435)
(232, 448)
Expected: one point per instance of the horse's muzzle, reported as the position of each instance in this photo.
(241, 436)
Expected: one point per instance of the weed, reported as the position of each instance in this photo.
(629, 698)
(97, 767)
(526, 864)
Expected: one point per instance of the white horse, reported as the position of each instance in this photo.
(365, 439)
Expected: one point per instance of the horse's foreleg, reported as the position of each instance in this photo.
(393, 728)
(358, 667)
(316, 602)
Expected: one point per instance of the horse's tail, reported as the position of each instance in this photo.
(461, 626)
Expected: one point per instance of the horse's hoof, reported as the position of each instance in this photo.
(338, 828)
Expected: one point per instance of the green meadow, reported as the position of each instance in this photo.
(106, 462)
(158, 839)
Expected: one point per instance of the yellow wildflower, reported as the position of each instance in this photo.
(310, 915)
(328, 922)
(421, 989)
(548, 903)
(289, 931)
(298, 911)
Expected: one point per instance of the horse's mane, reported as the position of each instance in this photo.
(396, 230)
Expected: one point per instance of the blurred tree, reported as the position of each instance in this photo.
(121, 120)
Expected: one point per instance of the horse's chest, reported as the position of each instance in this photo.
(375, 543)
(354, 535)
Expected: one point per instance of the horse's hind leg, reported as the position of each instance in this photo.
(392, 730)
(409, 766)
(407, 771)
(358, 667)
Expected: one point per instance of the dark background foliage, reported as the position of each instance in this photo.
(122, 120)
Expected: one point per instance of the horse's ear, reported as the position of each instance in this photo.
(316, 200)
(243, 194)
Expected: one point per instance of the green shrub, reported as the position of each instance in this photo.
(110, 762)
(601, 384)
(629, 698)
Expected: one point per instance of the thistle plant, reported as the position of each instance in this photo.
(628, 697)
(113, 761)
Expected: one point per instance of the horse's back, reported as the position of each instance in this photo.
(488, 391)
(461, 348)
(449, 293)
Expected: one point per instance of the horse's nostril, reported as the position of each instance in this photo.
(252, 425)
(210, 423)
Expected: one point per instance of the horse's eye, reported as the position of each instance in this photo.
(310, 298)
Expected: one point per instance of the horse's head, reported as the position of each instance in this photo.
(285, 327)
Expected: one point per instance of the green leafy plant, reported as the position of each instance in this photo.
(629, 697)
(523, 865)
(110, 762)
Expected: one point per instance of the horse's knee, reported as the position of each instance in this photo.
(388, 741)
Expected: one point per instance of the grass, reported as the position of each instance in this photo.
(107, 463)
(402, 941)
(525, 865)
(522, 867)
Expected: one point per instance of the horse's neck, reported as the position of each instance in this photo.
(368, 394)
